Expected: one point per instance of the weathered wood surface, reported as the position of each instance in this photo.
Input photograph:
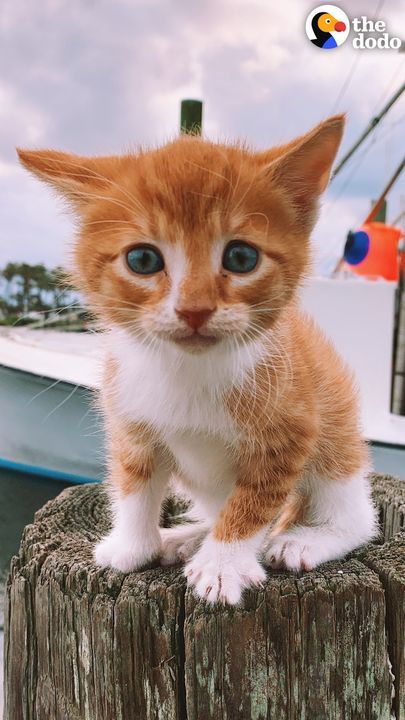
(85, 644)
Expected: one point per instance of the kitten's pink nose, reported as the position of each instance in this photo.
(195, 318)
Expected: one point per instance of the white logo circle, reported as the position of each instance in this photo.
(327, 27)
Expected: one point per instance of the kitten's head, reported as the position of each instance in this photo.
(194, 243)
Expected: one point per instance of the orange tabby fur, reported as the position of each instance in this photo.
(296, 412)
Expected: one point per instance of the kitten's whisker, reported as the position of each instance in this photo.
(252, 377)
(211, 172)
(240, 202)
(65, 400)
(200, 194)
(41, 392)
(121, 300)
(235, 186)
(264, 362)
(52, 311)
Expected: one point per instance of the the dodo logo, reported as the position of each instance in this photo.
(327, 26)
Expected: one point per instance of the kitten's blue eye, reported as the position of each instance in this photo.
(145, 260)
(239, 257)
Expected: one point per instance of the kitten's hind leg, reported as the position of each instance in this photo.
(340, 517)
(180, 542)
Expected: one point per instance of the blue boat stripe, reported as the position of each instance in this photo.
(45, 472)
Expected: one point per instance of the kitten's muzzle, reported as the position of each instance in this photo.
(196, 341)
(195, 318)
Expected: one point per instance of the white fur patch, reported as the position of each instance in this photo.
(341, 518)
(177, 391)
(178, 267)
(207, 474)
(219, 571)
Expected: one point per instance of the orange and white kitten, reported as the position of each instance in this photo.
(191, 256)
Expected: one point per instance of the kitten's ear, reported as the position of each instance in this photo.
(77, 178)
(304, 169)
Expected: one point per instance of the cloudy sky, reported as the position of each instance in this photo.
(99, 76)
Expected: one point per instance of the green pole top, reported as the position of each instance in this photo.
(191, 117)
(381, 215)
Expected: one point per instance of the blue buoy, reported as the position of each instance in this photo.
(357, 247)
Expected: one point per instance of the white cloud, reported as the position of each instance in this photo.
(98, 77)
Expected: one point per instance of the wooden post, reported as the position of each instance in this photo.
(191, 117)
(87, 644)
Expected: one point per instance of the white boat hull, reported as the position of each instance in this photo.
(49, 428)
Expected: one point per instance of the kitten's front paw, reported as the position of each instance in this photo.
(117, 553)
(180, 542)
(289, 553)
(219, 571)
(304, 548)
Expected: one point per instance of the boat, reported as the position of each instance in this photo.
(50, 425)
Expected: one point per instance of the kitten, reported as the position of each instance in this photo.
(191, 256)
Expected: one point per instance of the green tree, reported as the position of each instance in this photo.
(41, 287)
(9, 274)
(35, 287)
(25, 276)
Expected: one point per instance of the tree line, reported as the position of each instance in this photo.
(26, 289)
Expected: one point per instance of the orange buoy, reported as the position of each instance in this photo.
(372, 251)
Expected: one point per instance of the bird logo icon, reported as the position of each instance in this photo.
(327, 27)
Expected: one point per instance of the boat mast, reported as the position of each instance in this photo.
(370, 127)
(378, 203)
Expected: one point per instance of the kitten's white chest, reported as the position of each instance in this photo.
(204, 461)
(172, 394)
(182, 398)
(194, 426)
